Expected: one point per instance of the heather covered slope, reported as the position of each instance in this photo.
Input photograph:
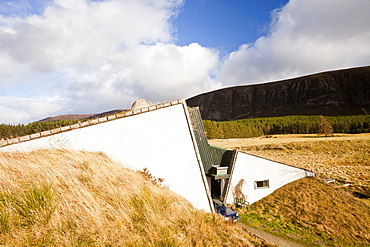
(333, 93)
(65, 198)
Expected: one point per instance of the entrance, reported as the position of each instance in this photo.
(215, 188)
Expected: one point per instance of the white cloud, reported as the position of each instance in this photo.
(86, 56)
(187, 70)
(160, 72)
(19, 110)
(97, 56)
(79, 33)
(305, 37)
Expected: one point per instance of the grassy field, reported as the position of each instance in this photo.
(337, 214)
(64, 198)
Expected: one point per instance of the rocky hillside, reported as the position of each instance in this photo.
(341, 92)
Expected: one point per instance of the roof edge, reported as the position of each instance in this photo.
(90, 122)
(275, 161)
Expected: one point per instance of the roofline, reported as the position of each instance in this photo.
(95, 121)
(258, 156)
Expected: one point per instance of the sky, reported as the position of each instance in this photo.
(90, 56)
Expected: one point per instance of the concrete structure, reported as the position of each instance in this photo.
(258, 177)
(158, 138)
(168, 139)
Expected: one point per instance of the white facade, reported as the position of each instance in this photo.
(158, 139)
(261, 177)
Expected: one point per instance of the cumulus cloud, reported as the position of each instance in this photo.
(78, 33)
(158, 73)
(305, 37)
(91, 56)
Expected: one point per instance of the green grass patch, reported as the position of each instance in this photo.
(31, 204)
(285, 229)
(34, 204)
(26, 208)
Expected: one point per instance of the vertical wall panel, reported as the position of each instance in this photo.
(252, 168)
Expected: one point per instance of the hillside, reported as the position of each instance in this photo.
(341, 92)
(312, 213)
(66, 198)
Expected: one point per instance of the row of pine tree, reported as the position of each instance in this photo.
(254, 127)
(8, 131)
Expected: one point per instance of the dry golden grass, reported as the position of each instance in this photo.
(66, 198)
(315, 211)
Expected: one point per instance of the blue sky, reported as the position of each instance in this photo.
(85, 56)
(224, 24)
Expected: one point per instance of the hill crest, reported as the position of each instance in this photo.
(340, 92)
(81, 116)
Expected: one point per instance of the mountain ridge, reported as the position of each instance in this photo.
(339, 92)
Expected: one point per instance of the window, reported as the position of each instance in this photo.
(262, 184)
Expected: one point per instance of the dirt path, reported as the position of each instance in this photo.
(278, 139)
(272, 239)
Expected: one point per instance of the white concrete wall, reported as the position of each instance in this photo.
(252, 168)
(159, 140)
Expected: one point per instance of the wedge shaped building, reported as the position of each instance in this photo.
(169, 140)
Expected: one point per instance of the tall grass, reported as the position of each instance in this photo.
(66, 198)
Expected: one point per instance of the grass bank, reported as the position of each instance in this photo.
(311, 212)
(64, 198)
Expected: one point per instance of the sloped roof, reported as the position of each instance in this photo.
(89, 122)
